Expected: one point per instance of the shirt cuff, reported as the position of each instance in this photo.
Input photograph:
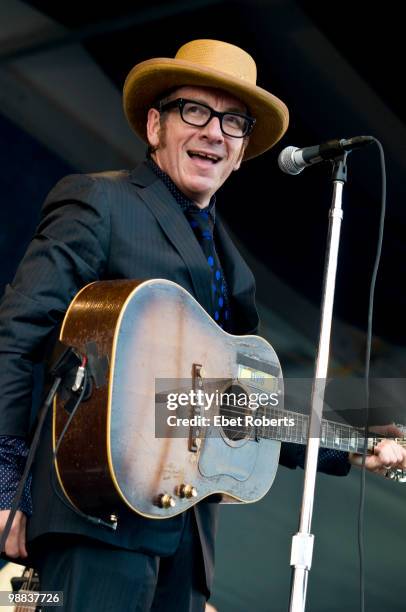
(13, 455)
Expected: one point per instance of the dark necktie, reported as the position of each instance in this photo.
(202, 227)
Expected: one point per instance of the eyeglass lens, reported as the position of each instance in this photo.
(199, 115)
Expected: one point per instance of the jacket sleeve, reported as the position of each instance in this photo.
(68, 250)
(330, 461)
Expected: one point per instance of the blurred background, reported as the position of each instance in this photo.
(338, 69)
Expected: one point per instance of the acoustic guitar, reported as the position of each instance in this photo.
(126, 445)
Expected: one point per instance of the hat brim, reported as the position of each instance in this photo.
(149, 79)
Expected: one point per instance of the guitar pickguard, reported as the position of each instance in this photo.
(218, 458)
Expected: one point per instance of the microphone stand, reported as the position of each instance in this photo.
(302, 541)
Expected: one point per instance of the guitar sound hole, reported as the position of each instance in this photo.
(234, 404)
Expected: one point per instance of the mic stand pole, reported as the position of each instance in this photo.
(302, 542)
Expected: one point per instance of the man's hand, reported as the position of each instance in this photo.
(387, 454)
(15, 543)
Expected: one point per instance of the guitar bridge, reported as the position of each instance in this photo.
(195, 431)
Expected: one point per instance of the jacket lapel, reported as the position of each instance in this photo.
(175, 226)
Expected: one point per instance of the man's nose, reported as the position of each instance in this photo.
(213, 129)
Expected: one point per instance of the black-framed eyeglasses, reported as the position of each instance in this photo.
(194, 113)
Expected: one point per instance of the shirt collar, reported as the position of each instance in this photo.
(184, 202)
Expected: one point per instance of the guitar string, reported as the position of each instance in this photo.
(272, 412)
(249, 434)
(285, 434)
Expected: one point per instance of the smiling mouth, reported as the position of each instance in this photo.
(214, 159)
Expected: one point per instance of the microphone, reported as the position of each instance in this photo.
(293, 160)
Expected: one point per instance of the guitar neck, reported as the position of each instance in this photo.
(294, 427)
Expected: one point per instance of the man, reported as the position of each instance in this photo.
(201, 114)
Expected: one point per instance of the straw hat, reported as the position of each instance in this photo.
(208, 63)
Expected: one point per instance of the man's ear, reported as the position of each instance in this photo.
(241, 155)
(153, 127)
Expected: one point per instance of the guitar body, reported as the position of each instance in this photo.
(135, 334)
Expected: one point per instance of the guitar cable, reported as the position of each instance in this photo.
(30, 458)
(66, 359)
(81, 381)
(361, 507)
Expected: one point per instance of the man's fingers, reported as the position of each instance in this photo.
(391, 454)
(387, 454)
(15, 543)
(23, 550)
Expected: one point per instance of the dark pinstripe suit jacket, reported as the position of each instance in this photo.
(105, 226)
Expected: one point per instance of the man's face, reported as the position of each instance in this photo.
(178, 144)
